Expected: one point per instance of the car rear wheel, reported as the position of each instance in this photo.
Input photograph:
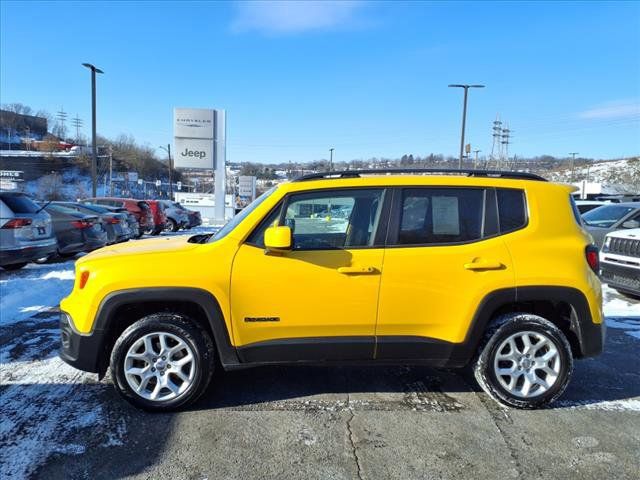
(14, 266)
(525, 361)
(162, 362)
(156, 231)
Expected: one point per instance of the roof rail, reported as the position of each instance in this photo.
(447, 171)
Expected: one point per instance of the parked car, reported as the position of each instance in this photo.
(26, 233)
(75, 231)
(585, 206)
(611, 217)
(195, 219)
(139, 208)
(177, 217)
(473, 274)
(114, 223)
(620, 261)
(159, 216)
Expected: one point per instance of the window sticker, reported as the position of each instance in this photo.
(445, 215)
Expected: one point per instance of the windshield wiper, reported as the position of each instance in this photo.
(200, 238)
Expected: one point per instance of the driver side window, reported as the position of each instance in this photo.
(334, 219)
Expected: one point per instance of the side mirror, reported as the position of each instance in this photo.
(278, 238)
(631, 224)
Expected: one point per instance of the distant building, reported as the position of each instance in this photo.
(15, 128)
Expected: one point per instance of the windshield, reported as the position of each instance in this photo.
(235, 221)
(606, 216)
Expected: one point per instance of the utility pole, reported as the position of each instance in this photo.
(110, 171)
(94, 148)
(464, 117)
(475, 162)
(168, 150)
(331, 158)
(497, 133)
(573, 165)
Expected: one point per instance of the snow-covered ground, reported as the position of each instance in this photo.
(47, 405)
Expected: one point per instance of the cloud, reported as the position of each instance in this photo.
(290, 17)
(613, 110)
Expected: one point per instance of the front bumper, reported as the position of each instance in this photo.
(83, 352)
(620, 277)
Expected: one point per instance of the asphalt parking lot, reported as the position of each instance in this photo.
(317, 422)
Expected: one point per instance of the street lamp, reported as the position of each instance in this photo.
(464, 116)
(331, 158)
(168, 150)
(94, 148)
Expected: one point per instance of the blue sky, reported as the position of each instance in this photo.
(368, 78)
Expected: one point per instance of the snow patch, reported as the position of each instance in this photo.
(631, 404)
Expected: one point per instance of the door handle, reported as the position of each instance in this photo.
(483, 265)
(357, 270)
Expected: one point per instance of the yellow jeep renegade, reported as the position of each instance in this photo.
(441, 268)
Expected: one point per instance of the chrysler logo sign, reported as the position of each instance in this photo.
(193, 123)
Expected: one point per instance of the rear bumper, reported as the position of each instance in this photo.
(28, 253)
(80, 351)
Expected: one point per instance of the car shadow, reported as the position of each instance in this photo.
(610, 377)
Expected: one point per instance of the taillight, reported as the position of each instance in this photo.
(84, 276)
(591, 253)
(82, 224)
(112, 220)
(17, 223)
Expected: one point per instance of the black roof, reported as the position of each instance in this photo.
(431, 171)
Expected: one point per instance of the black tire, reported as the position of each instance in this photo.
(156, 231)
(500, 330)
(198, 340)
(14, 266)
(67, 255)
(172, 225)
(140, 233)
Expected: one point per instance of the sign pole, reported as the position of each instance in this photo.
(220, 161)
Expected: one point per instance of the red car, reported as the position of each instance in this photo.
(139, 208)
(159, 216)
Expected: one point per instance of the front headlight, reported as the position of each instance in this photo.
(605, 245)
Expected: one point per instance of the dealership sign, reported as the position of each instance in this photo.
(199, 136)
(194, 131)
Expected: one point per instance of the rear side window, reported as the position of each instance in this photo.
(441, 215)
(20, 204)
(512, 211)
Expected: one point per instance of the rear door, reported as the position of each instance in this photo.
(443, 256)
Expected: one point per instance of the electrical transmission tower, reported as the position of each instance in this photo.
(496, 147)
(61, 115)
(505, 140)
(77, 124)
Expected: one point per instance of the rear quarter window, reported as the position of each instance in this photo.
(512, 209)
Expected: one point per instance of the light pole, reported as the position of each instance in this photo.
(331, 158)
(573, 164)
(168, 150)
(464, 117)
(94, 148)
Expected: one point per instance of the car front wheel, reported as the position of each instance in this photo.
(525, 362)
(162, 362)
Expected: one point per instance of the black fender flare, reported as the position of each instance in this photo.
(202, 298)
(590, 335)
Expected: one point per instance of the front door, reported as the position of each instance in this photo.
(319, 300)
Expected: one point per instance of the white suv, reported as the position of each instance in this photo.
(620, 261)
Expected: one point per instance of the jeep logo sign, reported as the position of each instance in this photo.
(193, 153)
